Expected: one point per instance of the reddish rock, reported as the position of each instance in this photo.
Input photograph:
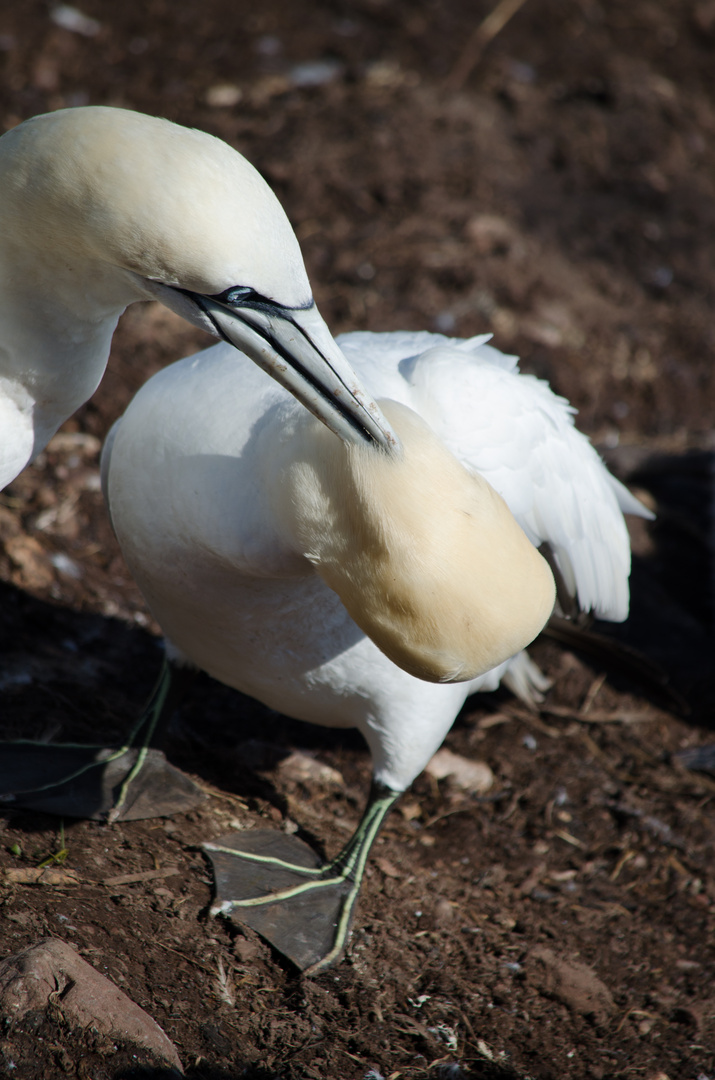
(52, 973)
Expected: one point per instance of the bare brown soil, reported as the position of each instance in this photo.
(564, 198)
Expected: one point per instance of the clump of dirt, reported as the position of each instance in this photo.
(561, 924)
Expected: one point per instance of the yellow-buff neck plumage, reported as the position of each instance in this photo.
(426, 556)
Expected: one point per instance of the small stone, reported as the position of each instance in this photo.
(443, 913)
(316, 72)
(473, 776)
(388, 869)
(302, 768)
(70, 18)
(223, 96)
(246, 950)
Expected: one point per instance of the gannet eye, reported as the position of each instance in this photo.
(239, 295)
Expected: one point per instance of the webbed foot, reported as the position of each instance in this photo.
(87, 782)
(278, 886)
(130, 782)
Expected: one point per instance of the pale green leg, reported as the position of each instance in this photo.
(154, 713)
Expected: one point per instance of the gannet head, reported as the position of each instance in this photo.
(173, 205)
(426, 556)
(180, 216)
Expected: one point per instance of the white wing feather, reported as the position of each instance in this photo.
(521, 437)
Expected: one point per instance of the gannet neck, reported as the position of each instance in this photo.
(57, 318)
(425, 556)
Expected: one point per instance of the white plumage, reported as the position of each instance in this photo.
(195, 483)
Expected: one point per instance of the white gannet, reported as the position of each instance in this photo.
(101, 207)
(297, 567)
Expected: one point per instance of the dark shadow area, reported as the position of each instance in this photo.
(673, 574)
(77, 678)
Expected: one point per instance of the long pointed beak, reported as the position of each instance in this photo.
(295, 347)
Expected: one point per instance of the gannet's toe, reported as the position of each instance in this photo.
(279, 887)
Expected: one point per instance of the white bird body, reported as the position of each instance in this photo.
(195, 474)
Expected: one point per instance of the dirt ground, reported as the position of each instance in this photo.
(558, 189)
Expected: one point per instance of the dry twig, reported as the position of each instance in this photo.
(477, 42)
